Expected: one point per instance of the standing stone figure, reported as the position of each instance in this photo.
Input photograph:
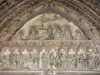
(52, 56)
(43, 59)
(57, 32)
(62, 57)
(98, 61)
(5, 56)
(16, 59)
(71, 59)
(80, 59)
(95, 61)
(25, 60)
(35, 59)
(67, 33)
(79, 35)
(91, 58)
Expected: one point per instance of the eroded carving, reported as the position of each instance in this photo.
(49, 55)
(49, 26)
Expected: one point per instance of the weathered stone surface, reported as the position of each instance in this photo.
(50, 57)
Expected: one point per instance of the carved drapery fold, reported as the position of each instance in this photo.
(53, 55)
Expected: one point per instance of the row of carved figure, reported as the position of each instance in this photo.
(34, 60)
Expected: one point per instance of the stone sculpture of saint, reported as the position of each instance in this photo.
(6, 58)
(50, 32)
(80, 61)
(1, 61)
(35, 59)
(57, 32)
(63, 58)
(91, 59)
(33, 33)
(25, 59)
(79, 35)
(67, 33)
(52, 56)
(95, 60)
(16, 59)
(71, 59)
(43, 59)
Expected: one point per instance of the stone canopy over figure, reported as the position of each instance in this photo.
(54, 57)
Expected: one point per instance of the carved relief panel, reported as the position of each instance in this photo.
(52, 55)
(49, 26)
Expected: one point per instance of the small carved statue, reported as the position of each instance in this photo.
(6, 58)
(71, 59)
(25, 60)
(35, 59)
(16, 59)
(52, 56)
(44, 59)
(80, 59)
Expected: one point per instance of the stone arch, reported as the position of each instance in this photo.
(88, 19)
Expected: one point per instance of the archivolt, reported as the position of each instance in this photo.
(20, 12)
